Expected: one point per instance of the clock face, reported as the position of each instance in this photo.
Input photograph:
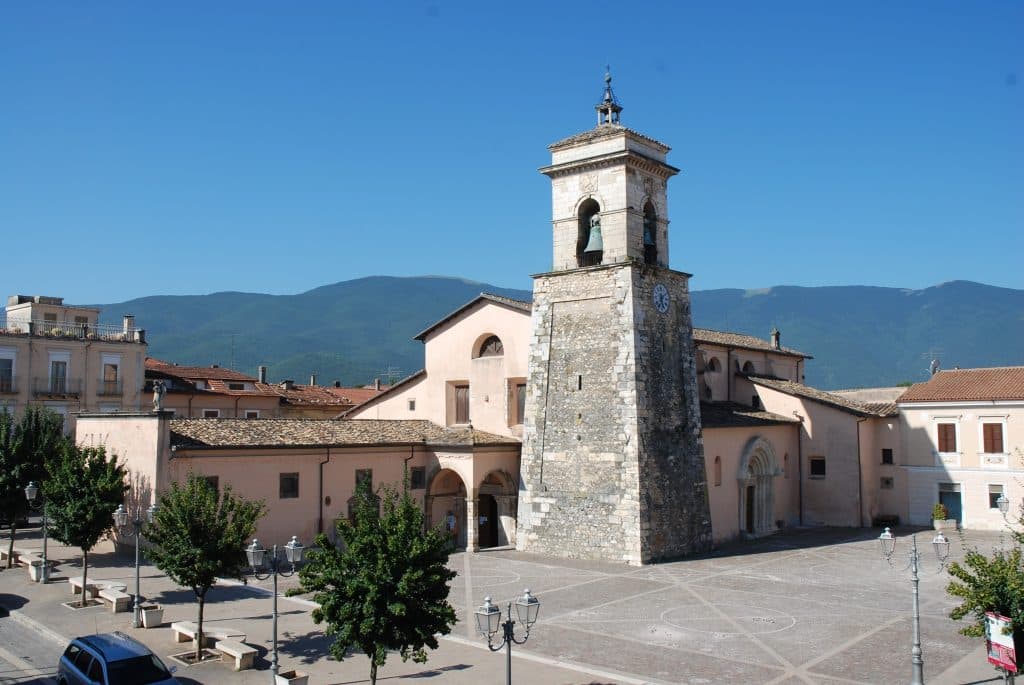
(661, 298)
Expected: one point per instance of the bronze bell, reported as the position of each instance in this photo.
(594, 242)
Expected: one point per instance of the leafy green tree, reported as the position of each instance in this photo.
(198, 536)
(994, 583)
(26, 446)
(385, 587)
(82, 491)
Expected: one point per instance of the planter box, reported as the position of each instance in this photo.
(152, 615)
(944, 524)
(291, 678)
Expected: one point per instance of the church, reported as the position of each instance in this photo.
(594, 422)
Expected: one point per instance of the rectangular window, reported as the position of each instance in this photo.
(993, 437)
(80, 320)
(887, 483)
(236, 386)
(289, 485)
(817, 467)
(213, 482)
(994, 493)
(6, 375)
(886, 455)
(211, 413)
(412, 404)
(50, 317)
(417, 477)
(252, 413)
(947, 437)
(461, 404)
(755, 401)
(520, 403)
(364, 476)
(58, 377)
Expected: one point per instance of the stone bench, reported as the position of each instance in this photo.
(240, 655)
(185, 631)
(94, 586)
(18, 552)
(28, 558)
(119, 601)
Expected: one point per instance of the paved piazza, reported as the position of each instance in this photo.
(811, 606)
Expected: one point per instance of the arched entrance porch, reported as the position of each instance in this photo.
(445, 504)
(757, 471)
(496, 510)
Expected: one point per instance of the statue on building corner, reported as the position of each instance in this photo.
(158, 395)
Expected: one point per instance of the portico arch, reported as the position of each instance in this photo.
(445, 504)
(496, 509)
(755, 478)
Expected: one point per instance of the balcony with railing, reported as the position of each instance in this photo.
(67, 330)
(109, 388)
(57, 386)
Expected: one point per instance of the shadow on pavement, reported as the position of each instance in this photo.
(308, 648)
(9, 602)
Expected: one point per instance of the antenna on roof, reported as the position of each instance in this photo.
(393, 374)
(935, 364)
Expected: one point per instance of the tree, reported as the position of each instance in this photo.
(198, 536)
(385, 587)
(82, 491)
(993, 583)
(25, 448)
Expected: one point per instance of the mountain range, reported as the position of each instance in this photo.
(358, 330)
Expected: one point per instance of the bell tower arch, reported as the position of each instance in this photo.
(612, 465)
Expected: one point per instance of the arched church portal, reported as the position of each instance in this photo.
(496, 510)
(758, 468)
(445, 504)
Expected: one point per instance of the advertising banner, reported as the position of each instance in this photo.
(1001, 649)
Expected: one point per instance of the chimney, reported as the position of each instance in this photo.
(775, 339)
(288, 384)
(128, 324)
(376, 384)
(261, 372)
(337, 384)
(312, 379)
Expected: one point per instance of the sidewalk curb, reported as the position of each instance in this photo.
(38, 627)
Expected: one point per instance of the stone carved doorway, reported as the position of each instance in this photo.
(496, 510)
(756, 479)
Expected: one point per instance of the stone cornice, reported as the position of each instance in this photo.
(611, 159)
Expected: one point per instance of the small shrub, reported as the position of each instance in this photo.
(939, 512)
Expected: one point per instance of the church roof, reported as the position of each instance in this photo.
(273, 433)
(736, 415)
(967, 385)
(822, 397)
(749, 342)
(604, 131)
(488, 297)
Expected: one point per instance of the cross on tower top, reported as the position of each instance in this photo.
(608, 109)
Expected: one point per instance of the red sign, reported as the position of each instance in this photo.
(999, 639)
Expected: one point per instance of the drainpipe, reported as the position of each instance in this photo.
(238, 397)
(730, 375)
(860, 479)
(800, 464)
(320, 495)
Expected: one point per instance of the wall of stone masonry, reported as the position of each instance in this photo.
(611, 456)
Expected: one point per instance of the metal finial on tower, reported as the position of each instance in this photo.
(609, 108)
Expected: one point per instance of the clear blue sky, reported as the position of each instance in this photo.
(187, 147)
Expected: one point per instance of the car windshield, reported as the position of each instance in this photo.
(138, 670)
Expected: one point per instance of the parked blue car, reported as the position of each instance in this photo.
(111, 659)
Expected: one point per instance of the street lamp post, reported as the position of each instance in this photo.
(488, 620)
(121, 520)
(37, 501)
(941, 546)
(258, 560)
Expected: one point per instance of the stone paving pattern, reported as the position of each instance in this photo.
(809, 606)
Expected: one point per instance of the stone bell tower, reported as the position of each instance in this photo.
(612, 464)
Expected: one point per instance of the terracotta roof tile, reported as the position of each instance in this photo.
(603, 131)
(807, 392)
(253, 433)
(965, 385)
(196, 372)
(749, 342)
(736, 415)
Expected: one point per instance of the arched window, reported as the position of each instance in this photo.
(748, 367)
(491, 347)
(718, 471)
(589, 241)
(650, 234)
(713, 365)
